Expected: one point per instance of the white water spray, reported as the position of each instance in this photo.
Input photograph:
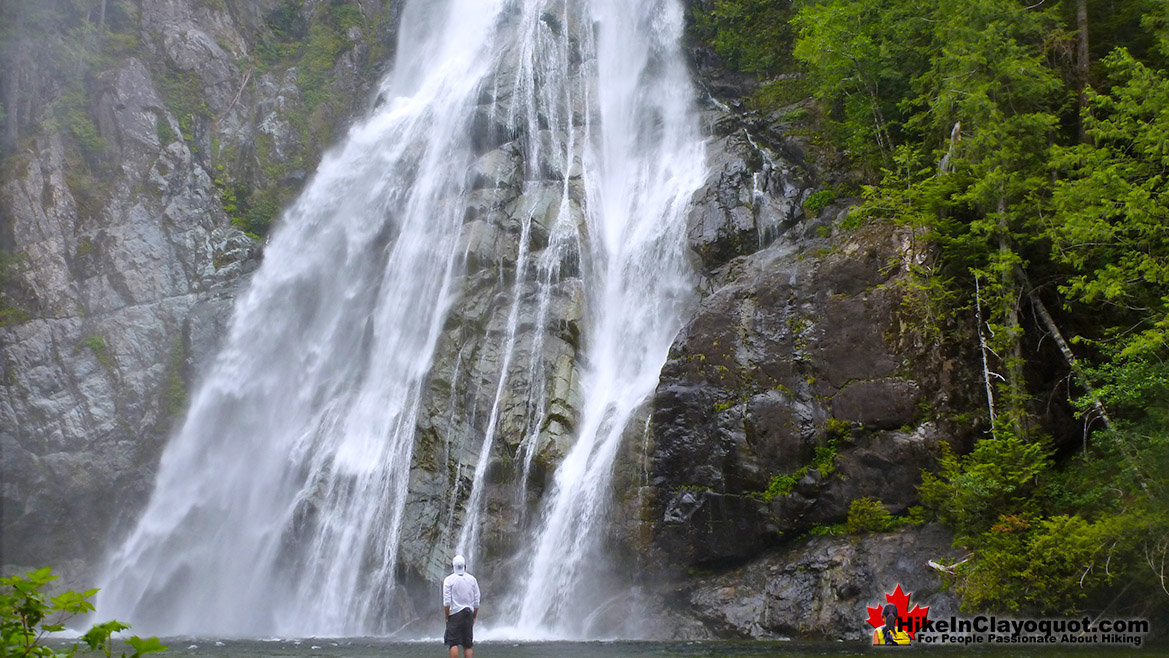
(279, 503)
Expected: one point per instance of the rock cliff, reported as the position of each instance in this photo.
(143, 161)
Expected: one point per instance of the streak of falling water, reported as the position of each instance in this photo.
(278, 504)
(647, 162)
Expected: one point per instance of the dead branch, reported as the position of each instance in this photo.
(1069, 356)
(948, 568)
(982, 344)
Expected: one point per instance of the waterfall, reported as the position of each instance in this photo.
(287, 501)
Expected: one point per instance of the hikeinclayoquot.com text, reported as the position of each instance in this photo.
(983, 629)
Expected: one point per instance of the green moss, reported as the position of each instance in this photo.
(782, 485)
(823, 462)
(85, 247)
(162, 128)
(796, 324)
(345, 16)
(184, 97)
(87, 191)
(853, 220)
(121, 45)
(781, 93)
(822, 530)
(98, 345)
(836, 429)
(175, 393)
(71, 113)
(261, 210)
(316, 64)
(227, 198)
(11, 314)
(10, 267)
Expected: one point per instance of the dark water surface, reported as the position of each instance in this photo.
(372, 648)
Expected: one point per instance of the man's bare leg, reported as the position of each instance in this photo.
(467, 652)
(455, 651)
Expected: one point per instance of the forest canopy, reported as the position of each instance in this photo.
(1028, 144)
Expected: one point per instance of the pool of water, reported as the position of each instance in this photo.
(372, 648)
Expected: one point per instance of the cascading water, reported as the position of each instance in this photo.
(283, 503)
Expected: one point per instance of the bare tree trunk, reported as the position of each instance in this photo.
(1069, 356)
(101, 18)
(1083, 61)
(1078, 371)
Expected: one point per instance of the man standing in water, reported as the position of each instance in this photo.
(460, 603)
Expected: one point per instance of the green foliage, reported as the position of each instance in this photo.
(753, 36)
(837, 429)
(779, 93)
(28, 616)
(98, 345)
(86, 189)
(166, 134)
(72, 113)
(1050, 565)
(817, 201)
(823, 461)
(184, 97)
(999, 477)
(175, 395)
(782, 485)
(828, 530)
(85, 247)
(1111, 210)
(316, 64)
(327, 39)
(861, 57)
(10, 265)
(869, 515)
(1047, 541)
(345, 16)
(964, 116)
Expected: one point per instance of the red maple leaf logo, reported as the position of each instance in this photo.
(908, 620)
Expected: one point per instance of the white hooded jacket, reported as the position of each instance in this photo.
(460, 590)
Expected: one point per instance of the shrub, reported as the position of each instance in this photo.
(817, 201)
(869, 515)
(28, 616)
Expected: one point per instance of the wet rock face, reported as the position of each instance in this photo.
(129, 259)
(787, 370)
(755, 189)
(125, 302)
(799, 385)
(822, 587)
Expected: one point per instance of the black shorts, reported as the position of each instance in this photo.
(459, 629)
